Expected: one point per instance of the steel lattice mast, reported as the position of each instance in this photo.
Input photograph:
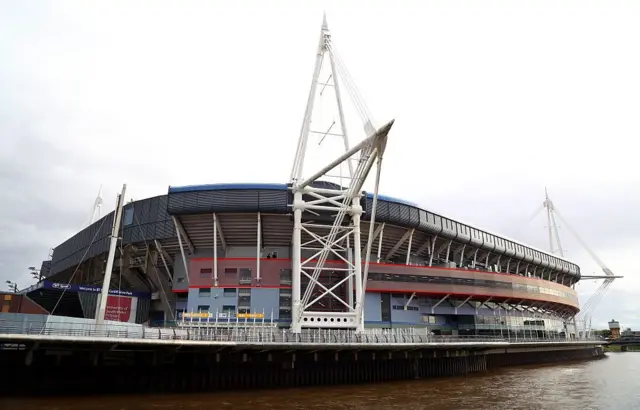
(313, 197)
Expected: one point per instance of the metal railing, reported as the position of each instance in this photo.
(254, 335)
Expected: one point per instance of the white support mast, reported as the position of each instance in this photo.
(315, 197)
(552, 225)
(96, 210)
(97, 207)
(117, 217)
(584, 316)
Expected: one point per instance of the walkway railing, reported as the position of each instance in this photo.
(252, 335)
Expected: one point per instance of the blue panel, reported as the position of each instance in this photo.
(265, 300)
(223, 187)
(372, 310)
(401, 315)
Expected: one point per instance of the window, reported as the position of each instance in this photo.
(244, 298)
(204, 292)
(284, 315)
(429, 319)
(285, 276)
(244, 310)
(285, 301)
(230, 271)
(229, 292)
(399, 307)
(206, 272)
(229, 309)
(128, 216)
(272, 255)
(385, 307)
(245, 275)
(203, 308)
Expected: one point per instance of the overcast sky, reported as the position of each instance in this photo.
(493, 101)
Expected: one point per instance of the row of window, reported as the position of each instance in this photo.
(243, 274)
(226, 292)
(443, 280)
(510, 320)
(399, 307)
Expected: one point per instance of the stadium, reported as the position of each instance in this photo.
(310, 253)
(224, 252)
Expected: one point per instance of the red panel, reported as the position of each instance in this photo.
(270, 277)
(118, 308)
(22, 304)
(269, 272)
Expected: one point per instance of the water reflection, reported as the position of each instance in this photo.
(605, 384)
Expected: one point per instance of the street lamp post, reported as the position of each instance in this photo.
(36, 273)
(12, 286)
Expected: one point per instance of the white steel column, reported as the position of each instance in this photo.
(296, 265)
(409, 248)
(106, 282)
(380, 243)
(350, 280)
(215, 250)
(433, 248)
(258, 250)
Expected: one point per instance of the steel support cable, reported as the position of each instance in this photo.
(93, 239)
(348, 83)
(604, 268)
(365, 118)
(595, 298)
(593, 301)
(352, 89)
(349, 79)
(557, 234)
(528, 221)
(587, 314)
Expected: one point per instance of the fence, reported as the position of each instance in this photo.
(255, 335)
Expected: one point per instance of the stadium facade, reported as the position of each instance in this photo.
(216, 253)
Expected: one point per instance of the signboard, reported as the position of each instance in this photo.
(250, 315)
(87, 288)
(221, 316)
(196, 315)
(121, 308)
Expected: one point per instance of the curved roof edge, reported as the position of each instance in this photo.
(266, 187)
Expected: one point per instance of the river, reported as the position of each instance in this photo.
(610, 384)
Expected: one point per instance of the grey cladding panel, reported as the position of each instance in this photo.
(149, 222)
(273, 201)
(414, 217)
(234, 201)
(227, 201)
(382, 210)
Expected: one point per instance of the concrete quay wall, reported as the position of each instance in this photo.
(84, 369)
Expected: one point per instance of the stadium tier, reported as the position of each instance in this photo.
(223, 253)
